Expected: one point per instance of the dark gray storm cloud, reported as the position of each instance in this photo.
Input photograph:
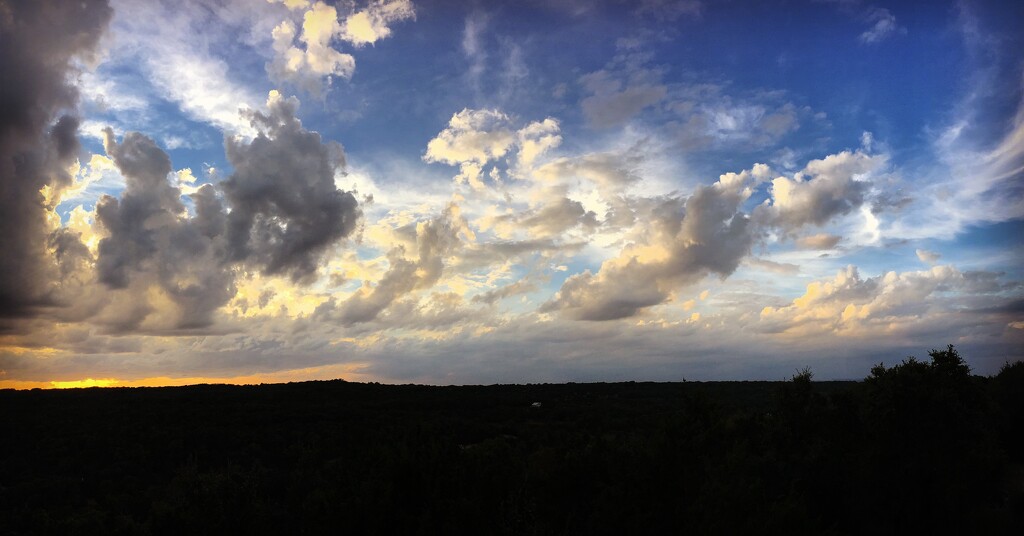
(285, 209)
(38, 42)
(280, 213)
(148, 205)
(153, 240)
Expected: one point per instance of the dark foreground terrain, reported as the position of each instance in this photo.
(923, 447)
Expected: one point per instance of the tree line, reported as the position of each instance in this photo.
(922, 446)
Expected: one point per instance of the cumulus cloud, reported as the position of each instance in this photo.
(285, 209)
(306, 53)
(38, 43)
(148, 261)
(609, 171)
(850, 304)
(153, 245)
(685, 240)
(611, 174)
(556, 217)
(824, 189)
(435, 240)
(471, 140)
(536, 139)
(308, 57)
(549, 219)
(367, 26)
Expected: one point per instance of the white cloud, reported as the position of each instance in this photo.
(96, 176)
(979, 155)
(369, 25)
(473, 47)
(929, 257)
(883, 26)
(159, 39)
(819, 241)
(307, 58)
(612, 107)
(536, 139)
(684, 240)
(472, 139)
(824, 189)
(292, 4)
(884, 306)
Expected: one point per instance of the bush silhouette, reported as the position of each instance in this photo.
(932, 455)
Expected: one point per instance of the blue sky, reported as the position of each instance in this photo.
(480, 192)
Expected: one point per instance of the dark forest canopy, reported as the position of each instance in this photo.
(920, 447)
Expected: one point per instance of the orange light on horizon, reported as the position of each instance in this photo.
(348, 372)
(88, 382)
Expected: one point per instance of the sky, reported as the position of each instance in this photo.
(460, 192)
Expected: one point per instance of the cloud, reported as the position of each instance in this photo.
(929, 257)
(818, 241)
(894, 302)
(473, 47)
(883, 26)
(710, 120)
(312, 58)
(970, 187)
(39, 41)
(435, 240)
(536, 139)
(492, 296)
(292, 4)
(153, 249)
(780, 268)
(285, 209)
(471, 140)
(556, 217)
(499, 251)
(824, 189)
(670, 10)
(979, 154)
(982, 185)
(882, 22)
(610, 108)
(685, 240)
(612, 175)
(613, 103)
(154, 49)
(369, 25)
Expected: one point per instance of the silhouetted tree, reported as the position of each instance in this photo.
(931, 453)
